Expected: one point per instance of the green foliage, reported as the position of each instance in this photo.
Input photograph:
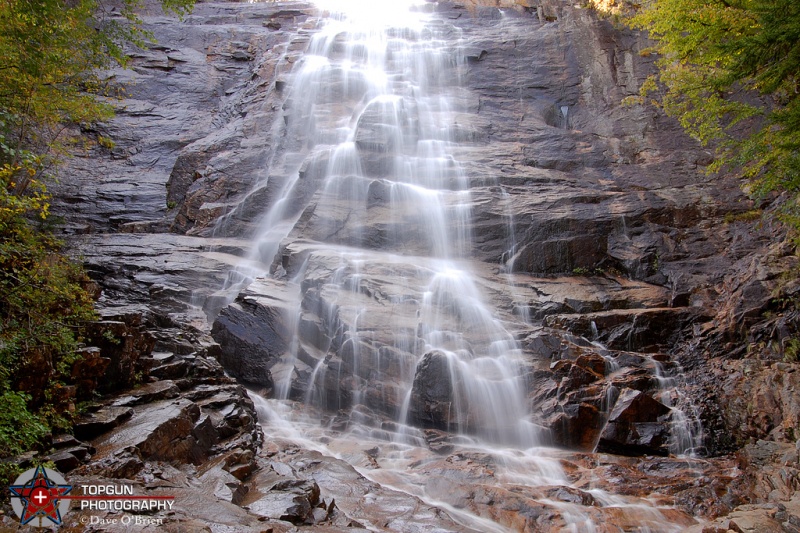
(42, 305)
(9, 471)
(748, 216)
(730, 73)
(791, 350)
(19, 429)
(52, 53)
(105, 142)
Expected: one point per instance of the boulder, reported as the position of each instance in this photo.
(101, 421)
(432, 401)
(159, 430)
(637, 425)
(255, 333)
(293, 500)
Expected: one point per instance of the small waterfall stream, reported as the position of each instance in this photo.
(687, 434)
(367, 230)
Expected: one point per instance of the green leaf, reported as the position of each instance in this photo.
(729, 70)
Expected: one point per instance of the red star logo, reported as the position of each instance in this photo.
(40, 497)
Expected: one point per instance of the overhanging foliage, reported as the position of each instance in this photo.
(730, 72)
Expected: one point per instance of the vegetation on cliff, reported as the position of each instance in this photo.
(729, 70)
(51, 52)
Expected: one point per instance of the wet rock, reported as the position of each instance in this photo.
(148, 393)
(749, 519)
(578, 377)
(637, 425)
(174, 370)
(123, 342)
(66, 441)
(635, 378)
(439, 442)
(566, 494)
(290, 500)
(111, 362)
(562, 180)
(122, 464)
(593, 362)
(254, 334)
(161, 430)
(432, 393)
(64, 461)
(544, 345)
(215, 108)
(355, 502)
(210, 424)
(241, 463)
(380, 125)
(646, 330)
(224, 485)
(587, 294)
(101, 421)
(88, 370)
(577, 426)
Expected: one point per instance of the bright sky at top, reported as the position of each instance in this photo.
(377, 14)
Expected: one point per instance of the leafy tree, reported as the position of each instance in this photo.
(730, 72)
(50, 54)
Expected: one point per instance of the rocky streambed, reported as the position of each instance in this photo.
(650, 317)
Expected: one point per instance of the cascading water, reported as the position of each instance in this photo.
(370, 117)
(687, 434)
(366, 238)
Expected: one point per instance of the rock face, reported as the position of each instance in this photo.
(635, 423)
(200, 90)
(432, 392)
(554, 189)
(567, 276)
(168, 419)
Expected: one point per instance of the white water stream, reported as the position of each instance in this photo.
(370, 129)
(371, 107)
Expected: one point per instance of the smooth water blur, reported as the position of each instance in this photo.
(369, 136)
(398, 460)
(369, 130)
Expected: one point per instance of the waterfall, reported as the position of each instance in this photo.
(365, 245)
(367, 187)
